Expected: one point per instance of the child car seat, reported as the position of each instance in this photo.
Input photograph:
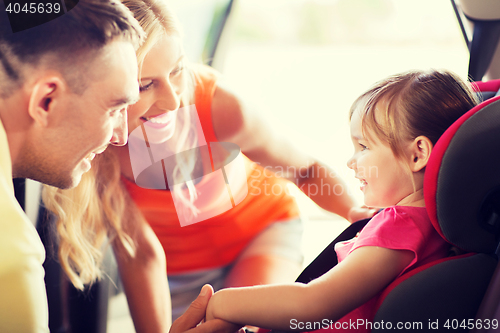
(462, 195)
(490, 307)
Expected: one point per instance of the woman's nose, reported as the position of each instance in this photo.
(168, 100)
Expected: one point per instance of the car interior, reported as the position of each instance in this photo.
(465, 213)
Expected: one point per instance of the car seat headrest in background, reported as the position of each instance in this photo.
(462, 180)
(486, 89)
(481, 10)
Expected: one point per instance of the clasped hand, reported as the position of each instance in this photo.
(191, 320)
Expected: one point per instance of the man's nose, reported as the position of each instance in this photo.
(120, 132)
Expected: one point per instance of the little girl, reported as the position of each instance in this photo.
(394, 127)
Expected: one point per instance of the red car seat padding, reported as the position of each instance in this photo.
(462, 180)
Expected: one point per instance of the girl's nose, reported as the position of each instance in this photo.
(351, 163)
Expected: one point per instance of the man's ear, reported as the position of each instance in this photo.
(421, 149)
(44, 96)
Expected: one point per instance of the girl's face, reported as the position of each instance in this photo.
(162, 83)
(385, 181)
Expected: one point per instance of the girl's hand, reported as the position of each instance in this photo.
(209, 314)
(189, 321)
(360, 213)
(195, 313)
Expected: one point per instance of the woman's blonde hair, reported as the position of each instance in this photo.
(100, 208)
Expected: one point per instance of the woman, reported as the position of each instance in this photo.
(256, 242)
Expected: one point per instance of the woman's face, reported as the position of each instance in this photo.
(161, 82)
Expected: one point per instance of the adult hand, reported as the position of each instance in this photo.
(360, 213)
(188, 322)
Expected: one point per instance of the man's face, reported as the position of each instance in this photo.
(82, 126)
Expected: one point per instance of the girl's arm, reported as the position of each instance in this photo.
(235, 122)
(354, 281)
(144, 278)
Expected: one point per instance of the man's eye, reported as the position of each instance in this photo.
(118, 112)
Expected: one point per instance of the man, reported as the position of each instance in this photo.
(64, 89)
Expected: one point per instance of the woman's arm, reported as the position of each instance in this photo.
(347, 286)
(145, 281)
(235, 122)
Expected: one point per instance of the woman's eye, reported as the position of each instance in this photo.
(177, 70)
(145, 87)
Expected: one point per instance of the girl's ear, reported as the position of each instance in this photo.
(420, 150)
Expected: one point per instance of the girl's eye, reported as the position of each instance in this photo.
(145, 87)
(363, 147)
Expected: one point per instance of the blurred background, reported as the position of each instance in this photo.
(302, 63)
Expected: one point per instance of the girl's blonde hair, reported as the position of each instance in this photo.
(407, 105)
(100, 207)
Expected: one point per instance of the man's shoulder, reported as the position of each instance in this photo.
(23, 305)
(20, 244)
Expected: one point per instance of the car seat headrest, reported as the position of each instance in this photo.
(486, 89)
(481, 10)
(462, 180)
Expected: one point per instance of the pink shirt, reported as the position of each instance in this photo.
(396, 228)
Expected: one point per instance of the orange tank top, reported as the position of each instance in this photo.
(217, 241)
